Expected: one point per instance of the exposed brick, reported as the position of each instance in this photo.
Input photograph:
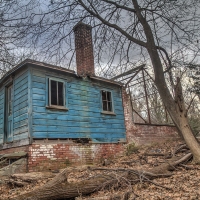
(144, 134)
(84, 49)
(75, 154)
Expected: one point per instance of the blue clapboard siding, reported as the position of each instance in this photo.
(1, 115)
(20, 107)
(83, 118)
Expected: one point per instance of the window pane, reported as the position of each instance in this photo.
(106, 101)
(109, 96)
(109, 106)
(9, 108)
(103, 93)
(53, 92)
(60, 94)
(10, 100)
(104, 105)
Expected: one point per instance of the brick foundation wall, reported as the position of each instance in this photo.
(52, 156)
(142, 133)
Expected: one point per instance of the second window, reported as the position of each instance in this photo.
(56, 93)
(106, 97)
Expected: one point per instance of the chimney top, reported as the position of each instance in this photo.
(81, 25)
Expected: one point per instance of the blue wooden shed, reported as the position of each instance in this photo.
(41, 101)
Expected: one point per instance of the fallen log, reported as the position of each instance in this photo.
(33, 176)
(125, 196)
(60, 188)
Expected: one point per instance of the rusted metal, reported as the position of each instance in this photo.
(133, 110)
(141, 85)
(140, 116)
(132, 78)
(139, 82)
(149, 75)
(166, 115)
(124, 79)
(128, 72)
(146, 97)
(131, 101)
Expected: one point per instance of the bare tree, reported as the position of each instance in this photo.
(5, 53)
(12, 47)
(124, 31)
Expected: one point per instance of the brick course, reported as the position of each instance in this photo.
(43, 157)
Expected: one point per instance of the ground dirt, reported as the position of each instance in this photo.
(184, 184)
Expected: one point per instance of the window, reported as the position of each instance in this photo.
(106, 101)
(56, 93)
(9, 97)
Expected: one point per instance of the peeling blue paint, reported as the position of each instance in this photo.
(83, 119)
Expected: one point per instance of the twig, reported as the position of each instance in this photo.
(187, 167)
(147, 180)
(155, 154)
(183, 146)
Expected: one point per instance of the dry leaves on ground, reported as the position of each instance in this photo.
(184, 184)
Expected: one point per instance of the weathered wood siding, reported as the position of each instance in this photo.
(83, 118)
(20, 106)
(1, 115)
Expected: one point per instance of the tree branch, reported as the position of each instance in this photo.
(120, 6)
(139, 42)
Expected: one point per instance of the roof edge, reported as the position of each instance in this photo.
(54, 67)
(34, 62)
(106, 80)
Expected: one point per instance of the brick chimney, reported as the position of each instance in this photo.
(84, 49)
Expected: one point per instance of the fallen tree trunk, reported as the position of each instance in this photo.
(33, 176)
(125, 196)
(60, 188)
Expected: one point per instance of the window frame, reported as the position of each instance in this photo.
(8, 137)
(51, 106)
(112, 103)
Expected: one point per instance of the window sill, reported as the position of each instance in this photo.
(61, 108)
(108, 113)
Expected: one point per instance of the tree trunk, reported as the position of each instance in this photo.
(175, 107)
(187, 134)
(60, 188)
(129, 195)
(33, 176)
